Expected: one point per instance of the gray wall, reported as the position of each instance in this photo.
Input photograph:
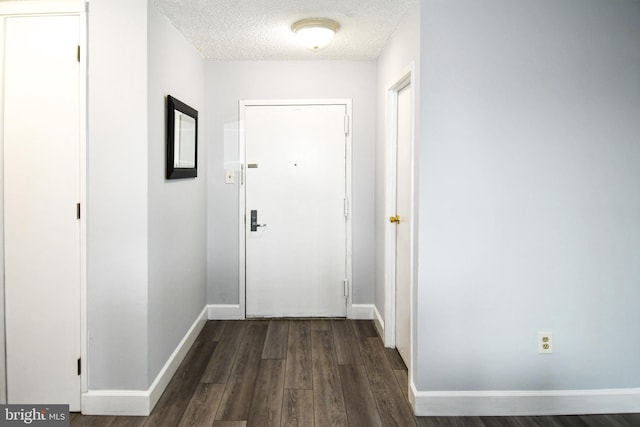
(229, 82)
(117, 219)
(529, 200)
(177, 208)
(146, 237)
(402, 50)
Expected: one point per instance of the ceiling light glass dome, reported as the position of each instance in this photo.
(315, 33)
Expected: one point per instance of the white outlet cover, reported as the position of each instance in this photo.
(545, 338)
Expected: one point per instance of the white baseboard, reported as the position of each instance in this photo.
(116, 402)
(233, 312)
(514, 403)
(362, 311)
(142, 402)
(225, 312)
(378, 321)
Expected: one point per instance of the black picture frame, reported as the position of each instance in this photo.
(182, 140)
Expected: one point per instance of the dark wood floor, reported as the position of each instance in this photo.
(303, 373)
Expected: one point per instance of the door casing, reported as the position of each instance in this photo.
(391, 124)
(63, 8)
(243, 104)
(403, 230)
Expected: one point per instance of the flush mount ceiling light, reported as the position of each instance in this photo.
(315, 33)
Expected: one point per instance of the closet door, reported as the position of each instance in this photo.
(41, 192)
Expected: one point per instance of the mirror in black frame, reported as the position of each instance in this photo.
(182, 140)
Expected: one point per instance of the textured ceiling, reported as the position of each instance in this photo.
(225, 30)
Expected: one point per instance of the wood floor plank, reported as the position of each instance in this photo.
(431, 422)
(532, 421)
(298, 373)
(230, 424)
(394, 409)
(465, 422)
(403, 381)
(176, 397)
(266, 406)
(633, 419)
(275, 344)
(500, 422)
(320, 324)
(364, 329)
(622, 420)
(247, 361)
(568, 421)
(106, 421)
(450, 422)
(128, 422)
(221, 362)
(91, 421)
(395, 360)
(328, 400)
(359, 402)
(297, 408)
(347, 350)
(236, 400)
(202, 408)
(213, 330)
(602, 421)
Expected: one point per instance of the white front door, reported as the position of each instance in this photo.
(295, 193)
(403, 229)
(41, 190)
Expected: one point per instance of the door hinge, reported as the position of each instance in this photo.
(346, 125)
(78, 53)
(346, 288)
(346, 207)
(77, 210)
(79, 366)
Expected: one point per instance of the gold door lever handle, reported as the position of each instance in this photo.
(395, 219)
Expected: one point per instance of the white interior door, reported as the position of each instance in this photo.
(296, 184)
(41, 190)
(403, 229)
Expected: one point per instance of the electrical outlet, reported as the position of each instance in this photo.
(545, 342)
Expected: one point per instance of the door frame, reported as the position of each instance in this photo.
(64, 8)
(243, 104)
(407, 77)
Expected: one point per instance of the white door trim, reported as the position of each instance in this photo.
(242, 201)
(35, 7)
(406, 78)
(84, 99)
(69, 8)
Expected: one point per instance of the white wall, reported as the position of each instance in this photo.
(117, 217)
(529, 201)
(146, 236)
(227, 83)
(177, 208)
(401, 51)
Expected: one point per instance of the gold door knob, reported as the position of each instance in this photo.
(395, 219)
